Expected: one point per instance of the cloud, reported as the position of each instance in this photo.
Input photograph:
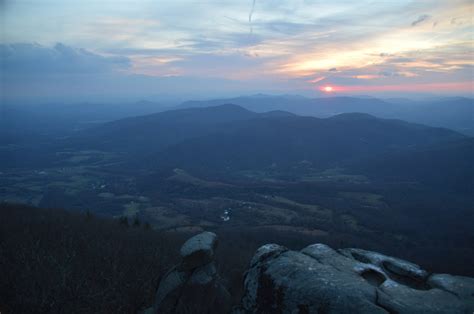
(286, 28)
(250, 15)
(316, 80)
(401, 60)
(290, 40)
(241, 66)
(420, 19)
(37, 73)
(34, 72)
(34, 59)
(227, 42)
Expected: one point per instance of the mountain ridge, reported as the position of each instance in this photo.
(450, 112)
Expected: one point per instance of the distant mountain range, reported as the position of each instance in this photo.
(20, 123)
(234, 129)
(154, 132)
(227, 139)
(286, 141)
(455, 113)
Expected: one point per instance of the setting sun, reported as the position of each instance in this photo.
(328, 89)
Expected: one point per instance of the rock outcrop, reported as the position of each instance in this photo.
(319, 279)
(193, 286)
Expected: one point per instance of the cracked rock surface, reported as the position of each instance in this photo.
(319, 279)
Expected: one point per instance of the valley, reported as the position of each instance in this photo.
(317, 193)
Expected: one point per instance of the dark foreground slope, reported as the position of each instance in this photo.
(54, 261)
(63, 262)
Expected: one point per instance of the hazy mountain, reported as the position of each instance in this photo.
(284, 141)
(446, 165)
(212, 133)
(145, 134)
(320, 107)
(19, 122)
(455, 113)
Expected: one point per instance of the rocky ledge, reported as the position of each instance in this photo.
(319, 279)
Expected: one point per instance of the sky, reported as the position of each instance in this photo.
(140, 49)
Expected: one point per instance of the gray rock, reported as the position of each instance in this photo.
(326, 255)
(203, 275)
(393, 267)
(169, 290)
(461, 286)
(265, 251)
(198, 250)
(397, 298)
(199, 292)
(193, 286)
(319, 279)
(289, 281)
(251, 278)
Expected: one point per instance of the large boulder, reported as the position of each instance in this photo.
(199, 250)
(193, 286)
(319, 279)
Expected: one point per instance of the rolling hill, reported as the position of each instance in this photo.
(286, 141)
(231, 137)
(148, 133)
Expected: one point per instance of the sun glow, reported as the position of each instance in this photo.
(328, 89)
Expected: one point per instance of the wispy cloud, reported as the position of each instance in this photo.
(38, 60)
(251, 14)
(420, 19)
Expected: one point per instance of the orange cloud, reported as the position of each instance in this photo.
(318, 79)
(367, 76)
(428, 87)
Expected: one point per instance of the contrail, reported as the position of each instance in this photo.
(250, 16)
